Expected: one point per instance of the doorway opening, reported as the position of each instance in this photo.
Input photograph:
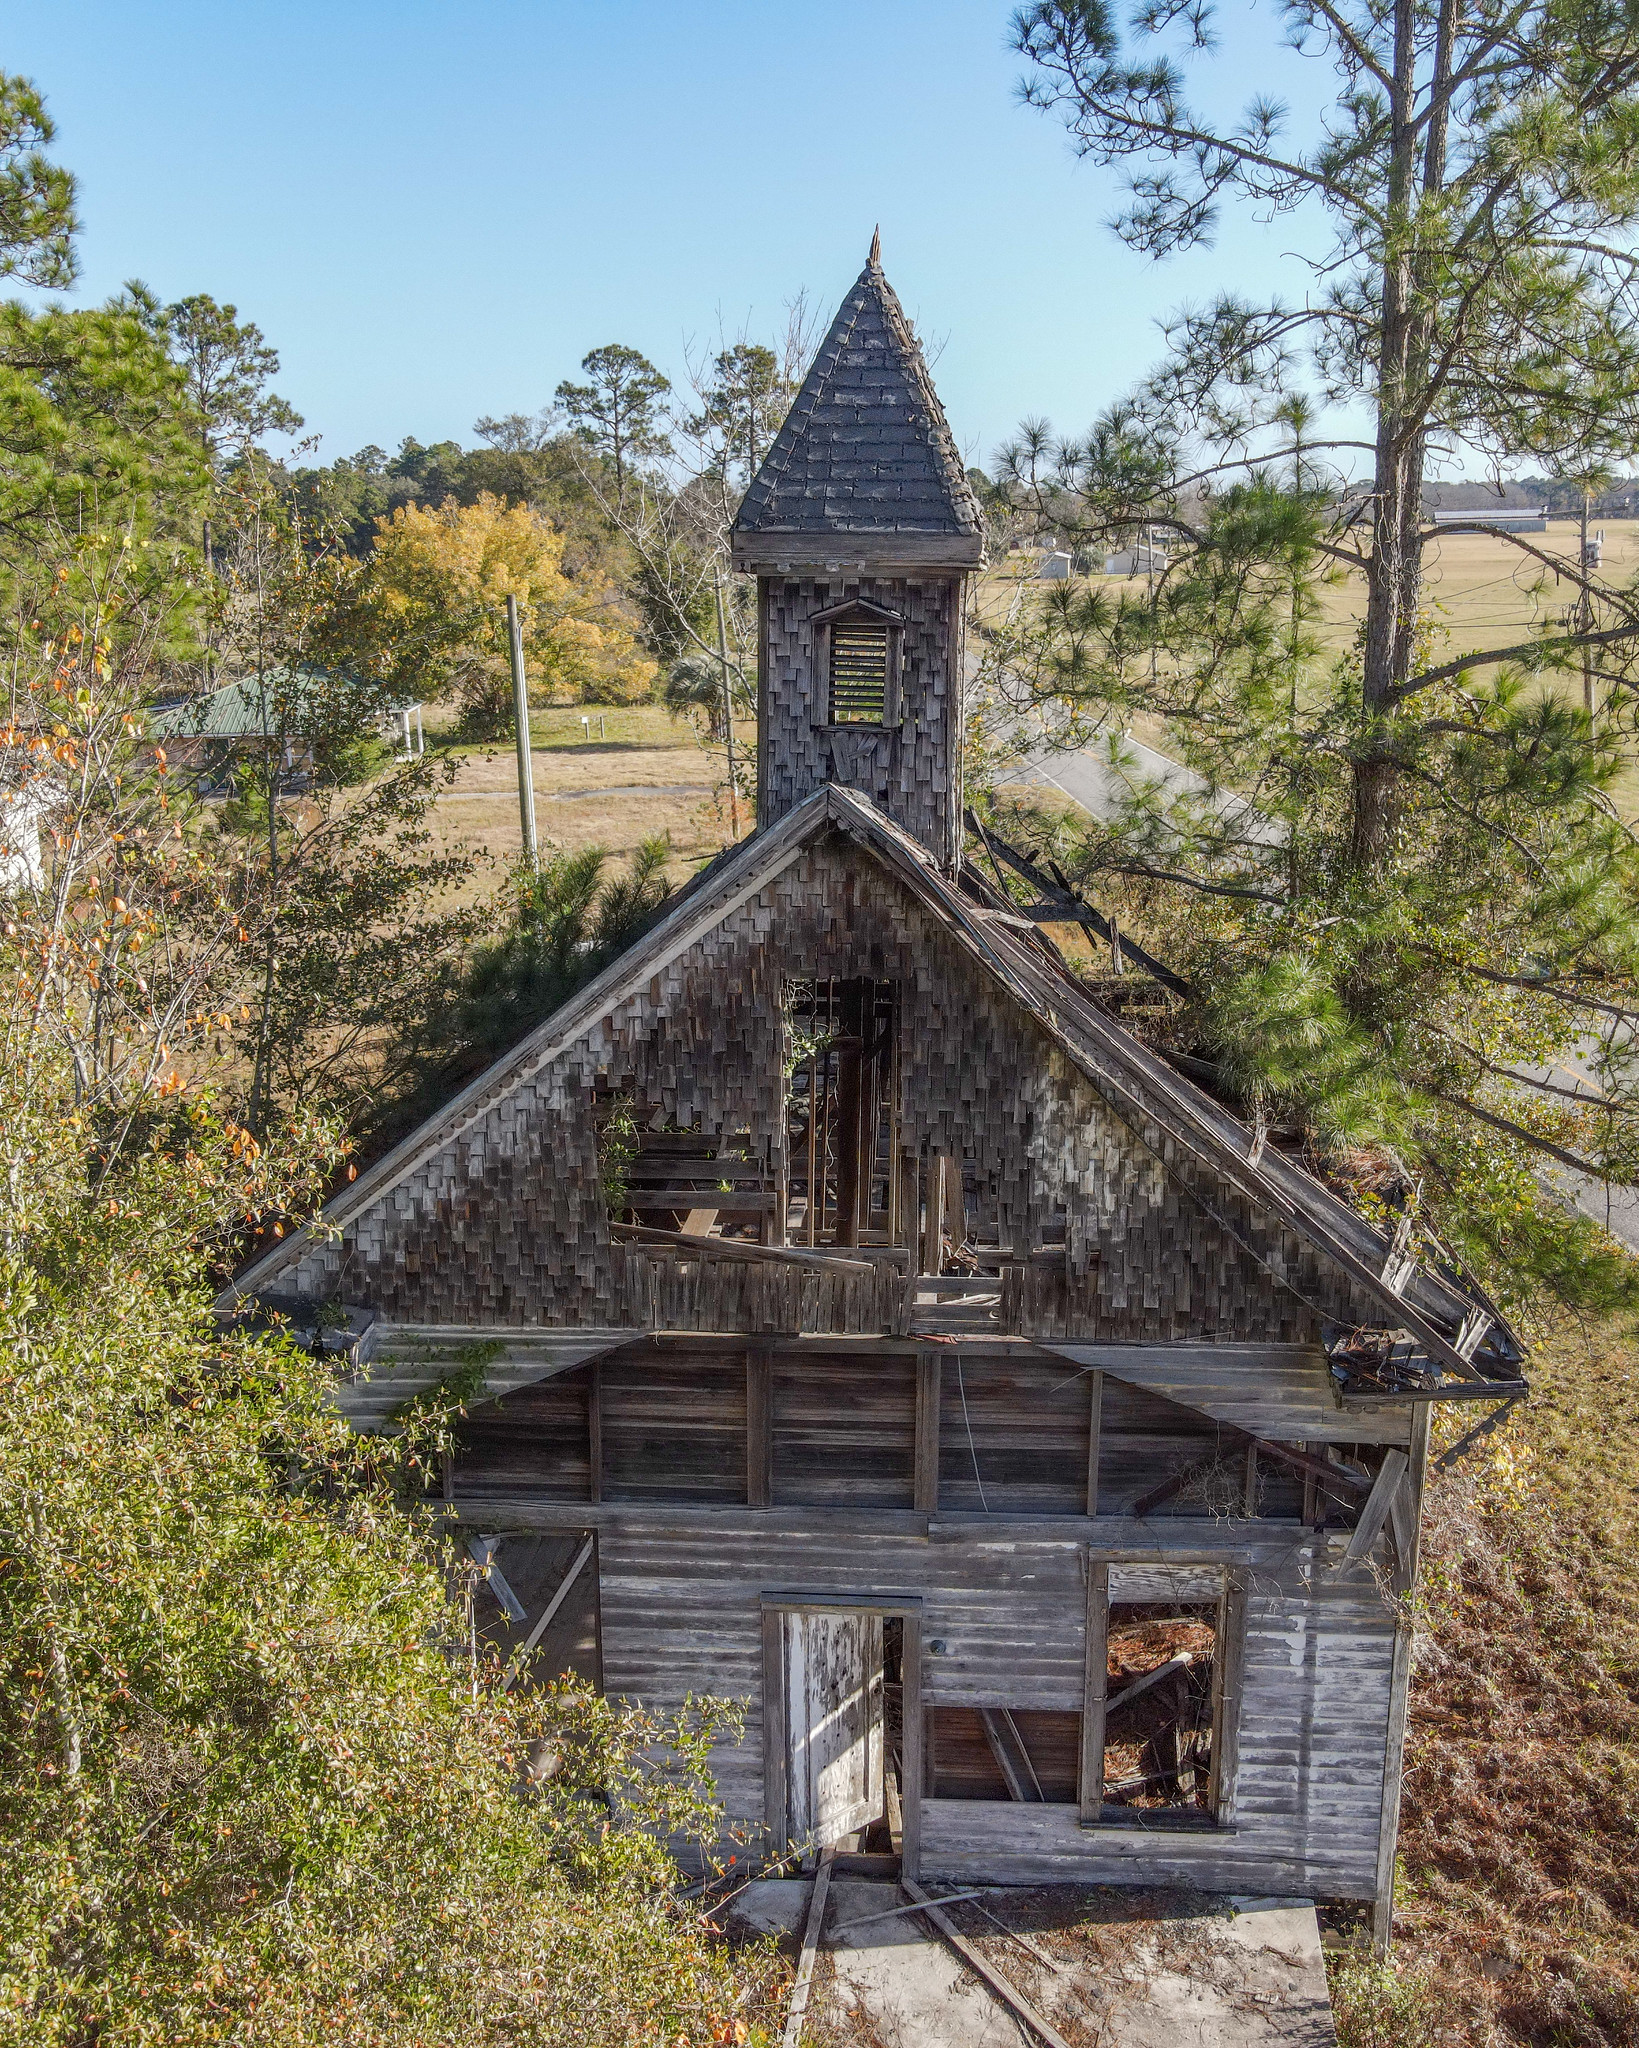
(841, 1125)
(842, 1734)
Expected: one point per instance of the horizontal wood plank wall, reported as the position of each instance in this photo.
(534, 1443)
(1144, 1440)
(1004, 1625)
(1013, 1436)
(844, 1430)
(506, 1225)
(673, 1429)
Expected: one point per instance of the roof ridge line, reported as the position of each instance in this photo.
(548, 1038)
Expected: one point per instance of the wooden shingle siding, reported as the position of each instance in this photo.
(865, 449)
(906, 768)
(506, 1225)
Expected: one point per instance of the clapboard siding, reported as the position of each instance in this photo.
(680, 1603)
(1281, 1391)
(844, 1429)
(1144, 1440)
(536, 1441)
(673, 1429)
(1013, 1435)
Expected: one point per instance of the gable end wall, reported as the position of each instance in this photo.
(507, 1226)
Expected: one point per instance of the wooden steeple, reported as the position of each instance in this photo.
(861, 529)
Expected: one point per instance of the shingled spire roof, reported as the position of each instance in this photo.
(865, 453)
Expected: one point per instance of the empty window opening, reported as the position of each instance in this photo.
(859, 672)
(841, 1125)
(1014, 1753)
(702, 1183)
(1161, 1709)
(534, 1605)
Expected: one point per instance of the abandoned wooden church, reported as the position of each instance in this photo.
(883, 1336)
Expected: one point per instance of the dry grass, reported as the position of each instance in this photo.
(1484, 592)
(631, 772)
(1519, 1897)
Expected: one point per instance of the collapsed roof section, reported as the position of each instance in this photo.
(1437, 1337)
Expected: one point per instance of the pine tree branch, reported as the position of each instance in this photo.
(1520, 651)
(1572, 998)
(1501, 1123)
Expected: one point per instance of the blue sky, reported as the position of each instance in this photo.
(434, 210)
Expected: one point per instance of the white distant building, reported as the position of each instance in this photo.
(1509, 518)
(21, 813)
(1143, 558)
(1056, 567)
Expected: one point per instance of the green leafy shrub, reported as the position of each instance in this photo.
(256, 1786)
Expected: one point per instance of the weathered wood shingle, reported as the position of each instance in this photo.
(865, 448)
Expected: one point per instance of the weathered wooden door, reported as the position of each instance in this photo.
(833, 1720)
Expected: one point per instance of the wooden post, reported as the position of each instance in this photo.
(910, 1676)
(728, 706)
(1394, 1758)
(925, 1498)
(759, 1427)
(594, 1429)
(1094, 1685)
(933, 1216)
(1421, 1421)
(775, 1805)
(1095, 1434)
(1226, 1694)
(1394, 1748)
(520, 708)
(853, 1174)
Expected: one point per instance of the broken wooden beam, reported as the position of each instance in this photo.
(1131, 1692)
(1070, 909)
(1376, 1512)
(1008, 1992)
(795, 2013)
(736, 1248)
(1011, 1757)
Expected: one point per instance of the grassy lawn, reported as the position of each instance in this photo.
(628, 773)
(1480, 593)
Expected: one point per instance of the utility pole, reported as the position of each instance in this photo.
(728, 704)
(1585, 612)
(520, 706)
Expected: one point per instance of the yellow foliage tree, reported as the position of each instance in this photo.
(433, 610)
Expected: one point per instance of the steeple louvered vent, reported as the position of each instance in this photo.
(859, 672)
